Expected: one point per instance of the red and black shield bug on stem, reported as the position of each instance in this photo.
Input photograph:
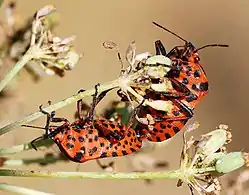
(85, 139)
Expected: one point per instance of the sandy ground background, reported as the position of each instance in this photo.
(93, 22)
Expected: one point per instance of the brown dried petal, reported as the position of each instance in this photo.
(131, 53)
(109, 45)
(45, 11)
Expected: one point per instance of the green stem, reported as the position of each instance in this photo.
(58, 105)
(41, 161)
(176, 174)
(13, 72)
(24, 147)
(20, 190)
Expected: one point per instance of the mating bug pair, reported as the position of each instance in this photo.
(88, 139)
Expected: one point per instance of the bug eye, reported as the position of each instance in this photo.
(197, 59)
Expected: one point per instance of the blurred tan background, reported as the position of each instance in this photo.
(93, 22)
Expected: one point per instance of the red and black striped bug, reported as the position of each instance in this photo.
(190, 85)
(89, 139)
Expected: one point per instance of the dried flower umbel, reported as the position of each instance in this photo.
(53, 54)
(204, 160)
(136, 78)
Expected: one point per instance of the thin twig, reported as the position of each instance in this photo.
(42, 161)
(93, 175)
(24, 147)
(20, 190)
(13, 72)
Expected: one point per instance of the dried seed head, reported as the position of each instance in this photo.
(246, 159)
(44, 11)
(213, 141)
(69, 61)
(162, 105)
(230, 162)
(211, 159)
(53, 53)
(156, 71)
(131, 53)
(158, 59)
(109, 45)
(142, 56)
(162, 87)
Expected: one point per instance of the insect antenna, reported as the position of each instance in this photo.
(36, 127)
(160, 26)
(212, 45)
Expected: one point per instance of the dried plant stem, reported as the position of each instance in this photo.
(13, 72)
(175, 174)
(93, 175)
(24, 147)
(20, 190)
(59, 105)
(43, 161)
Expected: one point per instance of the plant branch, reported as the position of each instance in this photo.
(176, 174)
(13, 72)
(20, 190)
(24, 147)
(58, 105)
(42, 161)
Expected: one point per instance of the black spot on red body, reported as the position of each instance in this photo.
(163, 126)
(191, 97)
(176, 129)
(114, 154)
(96, 138)
(197, 73)
(93, 150)
(90, 131)
(103, 155)
(185, 81)
(188, 73)
(69, 146)
(78, 156)
(81, 139)
(158, 139)
(204, 86)
(176, 113)
(155, 130)
(105, 125)
(194, 87)
(112, 126)
(167, 136)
